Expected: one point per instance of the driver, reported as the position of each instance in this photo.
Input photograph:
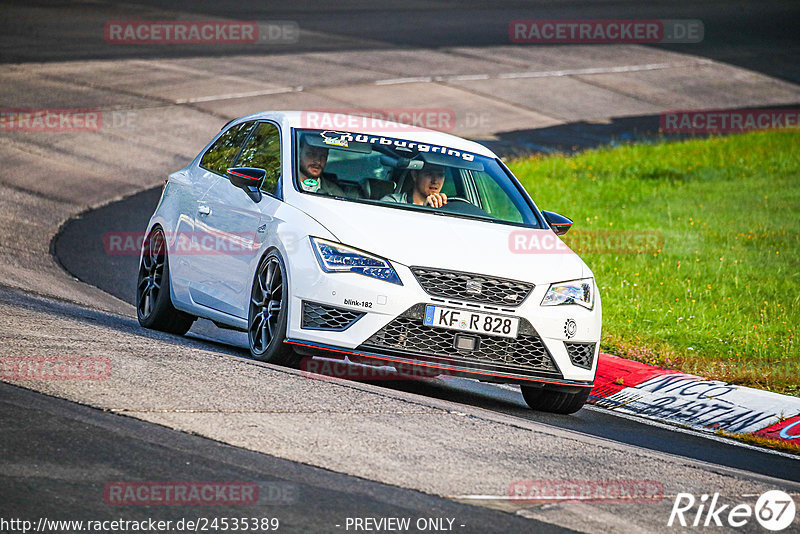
(427, 190)
(312, 166)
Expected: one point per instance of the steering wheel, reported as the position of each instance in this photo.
(463, 206)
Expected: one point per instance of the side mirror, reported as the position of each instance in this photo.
(245, 177)
(249, 179)
(558, 223)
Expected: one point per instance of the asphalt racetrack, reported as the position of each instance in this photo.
(80, 248)
(197, 409)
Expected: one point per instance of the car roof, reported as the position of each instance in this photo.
(304, 119)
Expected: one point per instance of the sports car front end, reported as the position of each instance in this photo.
(446, 294)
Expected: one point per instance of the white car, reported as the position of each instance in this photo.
(387, 245)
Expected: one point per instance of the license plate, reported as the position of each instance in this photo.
(470, 321)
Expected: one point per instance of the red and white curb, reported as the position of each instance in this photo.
(639, 389)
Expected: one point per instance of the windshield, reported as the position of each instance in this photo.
(403, 174)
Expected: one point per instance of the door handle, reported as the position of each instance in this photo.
(204, 210)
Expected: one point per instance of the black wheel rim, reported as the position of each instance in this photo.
(151, 273)
(266, 304)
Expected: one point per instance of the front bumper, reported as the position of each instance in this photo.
(482, 371)
(384, 323)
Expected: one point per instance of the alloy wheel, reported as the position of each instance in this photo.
(151, 274)
(265, 305)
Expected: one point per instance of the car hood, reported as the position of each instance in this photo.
(454, 243)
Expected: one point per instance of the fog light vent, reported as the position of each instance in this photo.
(323, 317)
(581, 354)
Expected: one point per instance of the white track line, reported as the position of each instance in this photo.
(231, 96)
(395, 81)
(529, 500)
(547, 73)
(603, 70)
(466, 78)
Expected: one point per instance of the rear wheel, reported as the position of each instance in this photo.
(268, 316)
(562, 400)
(154, 307)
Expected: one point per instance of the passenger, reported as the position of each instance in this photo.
(313, 177)
(427, 190)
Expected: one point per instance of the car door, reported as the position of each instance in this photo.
(192, 185)
(211, 169)
(231, 226)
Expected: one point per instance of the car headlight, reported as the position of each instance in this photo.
(338, 258)
(579, 292)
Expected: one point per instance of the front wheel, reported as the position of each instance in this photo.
(154, 307)
(563, 400)
(268, 315)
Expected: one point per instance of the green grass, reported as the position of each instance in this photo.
(719, 296)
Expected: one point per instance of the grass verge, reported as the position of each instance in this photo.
(695, 247)
(751, 439)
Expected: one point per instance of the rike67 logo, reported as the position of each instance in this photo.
(774, 510)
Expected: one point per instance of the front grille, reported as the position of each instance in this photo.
(323, 317)
(581, 354)
(407, 333)
(473, 287)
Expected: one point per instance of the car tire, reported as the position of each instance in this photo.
(561, 400)
(154, 307)
(268, 313)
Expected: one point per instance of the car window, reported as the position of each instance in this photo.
(387, 171)
(356, 166)
(219, 157)
(452, 183)
(496, 202)
(263, 151)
